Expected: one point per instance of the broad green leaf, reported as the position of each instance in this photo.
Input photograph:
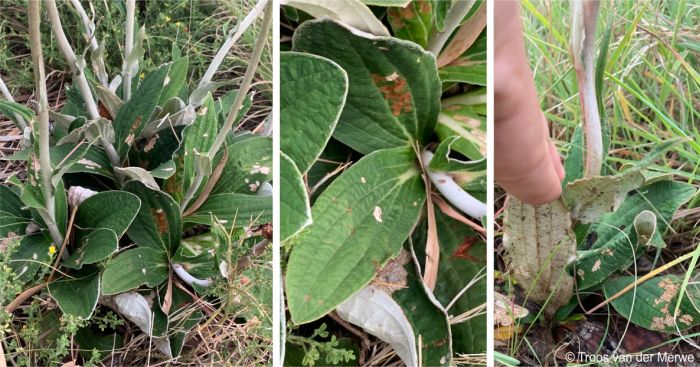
(133, 268)
(539, 244)
(461, 71)
(249, 164)
(94, 161)
(157, 224)
(77, 295)
(158, 149)
(462, 259)
(350, 12)
(134, 114)
(324, 169)
(198, 138)
(360, 222)
(177, 77)
(233, 209)
(295, 209)
(183, 317)
(442, 160)
(69, 160)
(108, 209)
(651, 304)
(394, 90)
(312, 98)
(31, 254)
(13, 218)
(413, 22)
(616, 242)
(224, 103)
(95, 246)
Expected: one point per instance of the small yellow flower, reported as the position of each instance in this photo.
(167, 18)
(178, 24)
(52, 249)
(142, 75)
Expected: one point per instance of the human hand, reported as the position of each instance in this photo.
(527, 163)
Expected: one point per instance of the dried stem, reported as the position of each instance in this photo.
(67, 51)
(128, 45)
(584, 18)
(43, 114)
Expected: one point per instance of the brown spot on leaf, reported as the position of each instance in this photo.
(395, 92)
(161, 220)
(104, 113)
(462, 252)
(150, 143)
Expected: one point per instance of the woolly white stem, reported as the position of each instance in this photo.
(584, 18)
(451, 190)
(87, 23)
(8, 96)
(49, 214)
(231, 39)
(189, 279)
(128, 45)
(457, 12)
(67, 51)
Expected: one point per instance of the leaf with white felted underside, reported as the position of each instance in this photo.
(351, 12)
(136, 309)
(394, 90)
(360, 222)
(398, 309)
(539, 244)
(590, 197)
(617, 243)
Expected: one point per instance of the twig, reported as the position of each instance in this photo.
(231, 39)
(450, 212)
(257, 250)
(584, 18)
(128, 45)
(43, 114)
(12, 307)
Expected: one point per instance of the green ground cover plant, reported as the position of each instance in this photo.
(143, 211)
(617, 252)
(383, 144)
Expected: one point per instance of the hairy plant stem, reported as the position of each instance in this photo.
(89, 25)
(69, 55)
(245, 84)
(8, 96)
(49, 216)
(231, 39)
(457, 12)
(79, 76)
(584, 19)
(128, 45)
(237, 103)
